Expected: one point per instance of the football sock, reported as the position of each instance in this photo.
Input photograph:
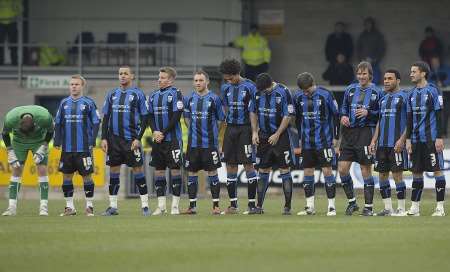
(417, 187)
(287, 189)
(192, 190)
(263, 185)
(176, 185)
(89, 188)
(252, 183)
(214, 185)
(369, 187)
(231, 188)
(347, 183)
(160, 186)
(440, 188)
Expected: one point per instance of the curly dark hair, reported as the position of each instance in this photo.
(230, 67)
(263, 81)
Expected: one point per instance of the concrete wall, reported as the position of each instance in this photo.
(308, 22)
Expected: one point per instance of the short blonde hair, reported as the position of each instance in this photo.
(170, 71)
(80, 77)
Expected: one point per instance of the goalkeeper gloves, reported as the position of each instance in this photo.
(12, 158)
(40, 154)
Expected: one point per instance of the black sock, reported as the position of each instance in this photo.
(330, 186)
(160, 186)
(67, 188)
(440, 188)
(192, 191)
(263, 185)
(141, 183)
(308, 186)
(252, 183)
(176, 185)
(287, 189)
(347, 183)
(114, 184)
(89, 187)
(401, 190)
(231, 188)
(214, 184)
(385, 189)
(417, 187)
(369, 189)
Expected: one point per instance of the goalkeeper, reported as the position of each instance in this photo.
(32, 129)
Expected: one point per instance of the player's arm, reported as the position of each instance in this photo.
(345, 110)
(374, 140)
(57, 140)
(12, 158)
(273, 139)
(105, 122)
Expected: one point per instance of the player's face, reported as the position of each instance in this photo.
(200, 83)
(164, 80)
(390, 82)
(76, 87)
(125, 76)
(363, 77)
(416, 75)
(232, 79)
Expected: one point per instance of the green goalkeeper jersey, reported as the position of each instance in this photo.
(43, 122)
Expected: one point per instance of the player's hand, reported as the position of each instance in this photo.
(135, 144)
(273, 139)
(104, 145)
(361, 112)
(409, 146)
(399, 145)
(12, 158)
(298, 151)
(345, 121)
(255, 138)
(439, 144)
(373, 148)
(158, 136)
(40, 154)
(58, 147)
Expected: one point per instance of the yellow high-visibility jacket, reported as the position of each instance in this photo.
(255, 50)
(9, 10)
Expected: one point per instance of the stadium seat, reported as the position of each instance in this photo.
(117, 47)
(87, 37)
(168, 35)
(147, 43)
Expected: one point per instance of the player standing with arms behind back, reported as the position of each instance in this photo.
(424, 137)
(237, 94)
(359, 116)
(76, 127)
(125, 116)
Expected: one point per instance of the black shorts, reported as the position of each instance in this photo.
(274, 156)
(166, 155)
(360, 155)
(356, 137)
(312, 158)
(207, 159)
(424, 158)
(119, 152)
(386, 160)
(237, 145)
(80, 162)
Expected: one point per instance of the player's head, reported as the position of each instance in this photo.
(166, 77)
(76, 85)
(230, 69)
(364, 73)
(126, 76)
(391, 80)
(201, 81)
(305, 81)
(419, 72)
(26, 123)
(264, 82)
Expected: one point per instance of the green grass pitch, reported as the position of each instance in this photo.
(269, 242)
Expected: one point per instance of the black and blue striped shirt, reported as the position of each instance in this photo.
(355, 98)
(392, 118)
(236, 99)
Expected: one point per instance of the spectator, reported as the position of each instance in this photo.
(255, 53)
(9, 11)
(371, 47)
(338, 42)
(339, 72)
(440, 73)
(430, 46)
